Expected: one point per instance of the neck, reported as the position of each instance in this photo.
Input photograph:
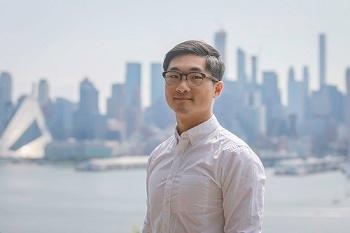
(185, 123)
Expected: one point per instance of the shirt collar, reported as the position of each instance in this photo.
(198, 132)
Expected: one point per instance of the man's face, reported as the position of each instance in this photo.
(195, 102)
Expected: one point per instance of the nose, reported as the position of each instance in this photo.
(183, 86)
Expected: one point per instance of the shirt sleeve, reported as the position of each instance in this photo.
(147, 225)
(243, 184)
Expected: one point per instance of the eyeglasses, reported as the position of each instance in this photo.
(193, 79)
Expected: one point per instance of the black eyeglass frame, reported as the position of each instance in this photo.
(186, 75)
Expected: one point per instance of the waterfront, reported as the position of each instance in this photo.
(55, 198)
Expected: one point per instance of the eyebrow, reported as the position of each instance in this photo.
(191, 69)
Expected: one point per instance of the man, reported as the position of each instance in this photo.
(203, 178)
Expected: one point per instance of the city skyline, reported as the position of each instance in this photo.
(254, 111)
(246, 68)
(100, 44)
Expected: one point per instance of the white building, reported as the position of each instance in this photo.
(26, 135)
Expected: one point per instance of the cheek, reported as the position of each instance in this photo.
(206, 98)
(168, 94)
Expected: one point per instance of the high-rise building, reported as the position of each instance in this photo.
(44, 94)
(270, 91)
(328, 103)
(115, 103)
(252, 116)
(306, 81)
(291, 84)
(291, 74)
(5, 88)
(86, 120)
(157, 83)
(322, 60)
(220, 44)
(228, 106)
(116, 116)
(62, 119)
(337, 101)
(306, 78)
(133, 85)
(6, 107)
(291, 81)
(241, 72)
(254, 70)
(88, 97)
(271, 98)
(347, 80)
(296, 99)
(133, 98)
(325, 106)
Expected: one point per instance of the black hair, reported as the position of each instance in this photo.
(213, 62)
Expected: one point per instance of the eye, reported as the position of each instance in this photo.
(172, 75)
(195, 76)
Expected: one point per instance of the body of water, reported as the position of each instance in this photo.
(54, 198)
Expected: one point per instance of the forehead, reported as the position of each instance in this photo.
(188, 62)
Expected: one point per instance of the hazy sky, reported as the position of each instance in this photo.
(63, 41)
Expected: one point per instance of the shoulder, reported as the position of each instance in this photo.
(230, 141)
(236, 153)
(161, 149)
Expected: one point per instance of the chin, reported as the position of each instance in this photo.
(181, 111)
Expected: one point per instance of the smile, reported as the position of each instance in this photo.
(181, 98)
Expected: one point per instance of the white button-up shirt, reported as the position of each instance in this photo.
(207, 180)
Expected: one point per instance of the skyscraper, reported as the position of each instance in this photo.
(270, 92)
(86, 118)
(291, 88)
(347, 81)
(296, 99)
(271, 98)
(254, 70)
(133, 98)
(44, 94)
(157, 83)
(252, 115)
(337, 102)
(62, 122)
(6, 107)
(88, 97)
(322, 60)
(241, 73)
(115, 128)
(291, 75)
(133, 85)
(220, 44)
(5, 87)
(115, 103)
(306, 78)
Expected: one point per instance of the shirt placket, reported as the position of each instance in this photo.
(170, 186)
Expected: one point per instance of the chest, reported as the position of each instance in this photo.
(187, 181)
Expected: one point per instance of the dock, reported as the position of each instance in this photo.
(123, 162)
(309, 165)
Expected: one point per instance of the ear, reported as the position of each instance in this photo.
(218, 88)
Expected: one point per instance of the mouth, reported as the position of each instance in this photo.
(182, 98)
